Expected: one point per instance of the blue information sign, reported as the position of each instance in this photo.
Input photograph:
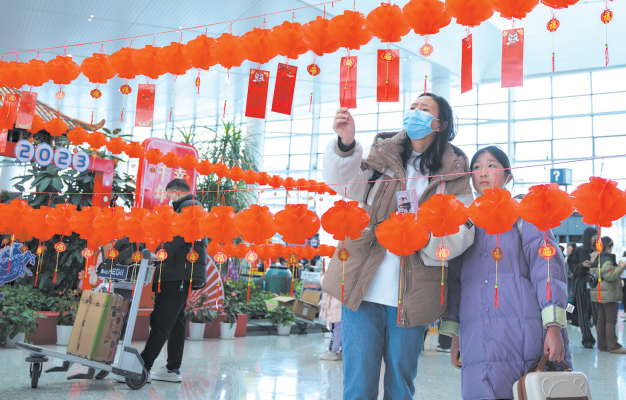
(562, 176)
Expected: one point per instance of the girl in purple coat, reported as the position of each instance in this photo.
(496, 346)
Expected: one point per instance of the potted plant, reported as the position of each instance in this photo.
(282, 317)
(16, 321)
(232, 308)
(199, 316)
(67, 308)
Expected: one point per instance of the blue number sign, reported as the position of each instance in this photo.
(80, 162)
(24, 151)
(62, 158)
(43, 154)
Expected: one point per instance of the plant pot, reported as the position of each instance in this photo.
(18, 338)
(64, 332)
(196, 331)
(226, 331)
(283, 330)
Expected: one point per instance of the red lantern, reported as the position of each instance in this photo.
(83, 223)
(442, 215)
(600, 202)
(173, 59)
(250, 177)
(37, 220)
(77, 136)
(350, 30)
(116, 145)
(426, 17)
(96, 140)
(296, 223)
(559, 4)
(10, 75)
(220, 169)
(58, 219)
(15, 217)
(275, 181)
(495, 211)
(263, 178)
(122, 63)
(236, 174)
(545, 206)
(38, 124)
(108, 224)
(318, 38)
(187, 224)
(188, 162)
(98, 68)
(56, 127)
(514, 8)
(170, 160)
(147, 64)
(259, 46)
(228, 51)
(34, 73)
(204, 168)
(469, 12)
(219, 225)
(386, 23)
(256, 224)
(153, 156)
(289, 183)
(326, 251)
(62, 70)
(131, 225)
(401, 234)
(288, 38)
(134, 150)
(241, 250)
(200, 52)
(345, 220)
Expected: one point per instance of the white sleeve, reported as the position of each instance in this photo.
(342, 172)
(457, 243)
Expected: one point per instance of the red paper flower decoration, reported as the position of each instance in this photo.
(350, 30)
(83, 224)
(264, 252)
(170, 160)
(288, 38)
(241, 250)
(132, 225)
(229, 249)
(58, 219)
(386, 23)
(259, 46)
(296, 223)
(34, 73)
(15, 219)
(426, 17)
(173, 59)
(200, 52)
(495, 211)
(56, 127)
(96, 140)
(289, 183)
(38, 124)
(600, 202)
(442, 215)
(263, 178)
(302, 184)
(401, 235)
(37, 220)
(188, 162)
(159, 224)
(147, 64)
(326, 251)
(116, 145)
(220, 169)
(62, 70)
(228, 51)
(311, 252)
(236, 173)
(514, 8)
(301, 252)
(108, 223)
(153, 156)
(469, 12)
(98, 68)
(275, 181)
(345, 220)
(204, 168)
(134, 150)
(77, 136)
(545, 206)
(213, 248)
(10, 75)
(122, 63)
(256, 224)
(317, 37)
(187, 224)
(250, 177)
(219, 225)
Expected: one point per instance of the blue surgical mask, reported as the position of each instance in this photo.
(417, 123)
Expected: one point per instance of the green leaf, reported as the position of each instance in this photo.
(57, 183)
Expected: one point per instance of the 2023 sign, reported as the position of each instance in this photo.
(44, 155)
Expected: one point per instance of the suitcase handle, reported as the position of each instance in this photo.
(541, 366)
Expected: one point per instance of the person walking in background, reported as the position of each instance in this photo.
(606, 295)
(331, 313)
(570, 251)
(497, 343)
(585, 311)
(624, 289)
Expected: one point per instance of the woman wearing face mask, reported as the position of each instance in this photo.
(498, 345)
(390, 176)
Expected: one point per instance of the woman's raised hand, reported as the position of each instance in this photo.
(343, 125)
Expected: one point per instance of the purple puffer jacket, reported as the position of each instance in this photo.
(498, 345)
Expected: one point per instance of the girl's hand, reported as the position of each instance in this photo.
(553, 345)
(343, 125)
(455, 351)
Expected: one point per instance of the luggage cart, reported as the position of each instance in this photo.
(129, 365)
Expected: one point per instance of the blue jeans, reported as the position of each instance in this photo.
(370, 335)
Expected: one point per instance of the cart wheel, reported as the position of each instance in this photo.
(138, 383)
(35, 373)
(101, 375)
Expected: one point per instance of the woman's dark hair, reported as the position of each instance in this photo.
(606, 243)
(588, 233)
(432, 159)
(624, 254)
(499, 154)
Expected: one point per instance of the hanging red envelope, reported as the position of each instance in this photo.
(3, 140)
(283, 91)
(8, 112)
(388, 76)
(513, 57)
(466, 65)
(26, 111)
(347, 82)
(145, 104)
(257, 93)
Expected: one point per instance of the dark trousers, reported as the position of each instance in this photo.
(605, 327)
(167, 322)
(445, 342)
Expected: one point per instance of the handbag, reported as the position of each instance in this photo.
(539, 384)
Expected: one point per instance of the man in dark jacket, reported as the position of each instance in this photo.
(167, 321)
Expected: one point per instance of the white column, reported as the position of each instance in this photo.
(441, 87)
(255, 128)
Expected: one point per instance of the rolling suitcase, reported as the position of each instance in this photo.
(539, 384)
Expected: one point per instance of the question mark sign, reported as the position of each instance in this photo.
(556, 175)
